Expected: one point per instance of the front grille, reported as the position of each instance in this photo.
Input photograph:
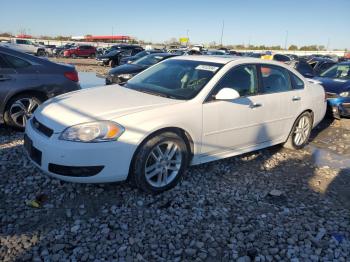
(41, 128)
(331, 95)
(34, 153)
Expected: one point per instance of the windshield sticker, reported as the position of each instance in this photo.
(207, 68)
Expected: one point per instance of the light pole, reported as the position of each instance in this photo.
(187, 38)
(285, 41)
(222, 31)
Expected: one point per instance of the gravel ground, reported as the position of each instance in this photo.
(270, 205)
(83, 64)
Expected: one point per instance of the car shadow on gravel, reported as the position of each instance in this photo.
(272, 203)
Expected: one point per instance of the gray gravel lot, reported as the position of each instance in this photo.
(221, 211)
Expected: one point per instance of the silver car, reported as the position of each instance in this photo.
(26, 81)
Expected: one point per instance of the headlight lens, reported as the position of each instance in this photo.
(345, 94)
(100, 131)
(126, 76)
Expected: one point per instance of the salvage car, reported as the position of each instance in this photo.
(26, 46)
(125, 72)
(26, 81)
(320, 64)
(186, 110)
(80, 51)
(336, 82)
(116, 53)
(139, 55)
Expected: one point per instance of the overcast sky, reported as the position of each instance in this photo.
(321, 22)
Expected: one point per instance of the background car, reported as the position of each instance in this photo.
(125, 72)
(80, 51)
(26, 81)
(282, 58)
(49, 49)
(320, 64)
(26, 46)
(115, 53)
(130, 59)
(59, 50)
(336, 82)
(216, 52)
(303, 68)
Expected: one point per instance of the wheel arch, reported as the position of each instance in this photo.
(177, 130)
(41, 95)
(312, 119)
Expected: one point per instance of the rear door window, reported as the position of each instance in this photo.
(3, 63)
(274, 79)
(16, 62)
(296, 82)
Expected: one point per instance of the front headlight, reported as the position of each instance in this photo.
(126, 76)
(100, 131)
(344, 94)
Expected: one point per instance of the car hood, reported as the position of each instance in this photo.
(334, 85)
(109, 54)
(126, 69)
(93, 104)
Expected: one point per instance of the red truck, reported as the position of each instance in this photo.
(80, 51)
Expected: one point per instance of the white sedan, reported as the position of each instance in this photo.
(183, 111)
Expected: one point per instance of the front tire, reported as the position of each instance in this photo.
(160, 163)
(19, 109)
(300, 133)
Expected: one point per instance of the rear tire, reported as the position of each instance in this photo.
(160, 163)
(19, 109)
(300, 133)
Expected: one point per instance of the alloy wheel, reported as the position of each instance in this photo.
(163, 164)
(22, 109)
(302, 130)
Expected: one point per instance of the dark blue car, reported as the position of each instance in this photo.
(336, 82)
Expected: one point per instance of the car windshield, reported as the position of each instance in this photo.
(141, 54)
(178, 79)
(337, 71)
(148, 60)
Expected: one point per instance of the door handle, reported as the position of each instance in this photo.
(255, 105)
(296, 98)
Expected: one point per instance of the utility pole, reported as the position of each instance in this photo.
(187, 38)
(285, 41)
(328, 42)
(222, 31)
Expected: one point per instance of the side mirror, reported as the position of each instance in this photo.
(227, 94)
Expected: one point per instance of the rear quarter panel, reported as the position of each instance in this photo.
(315, 100)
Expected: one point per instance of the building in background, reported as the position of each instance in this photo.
(103, 38)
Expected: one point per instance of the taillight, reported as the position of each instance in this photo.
(72, 75)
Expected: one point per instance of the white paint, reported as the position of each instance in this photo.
(218, 129)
